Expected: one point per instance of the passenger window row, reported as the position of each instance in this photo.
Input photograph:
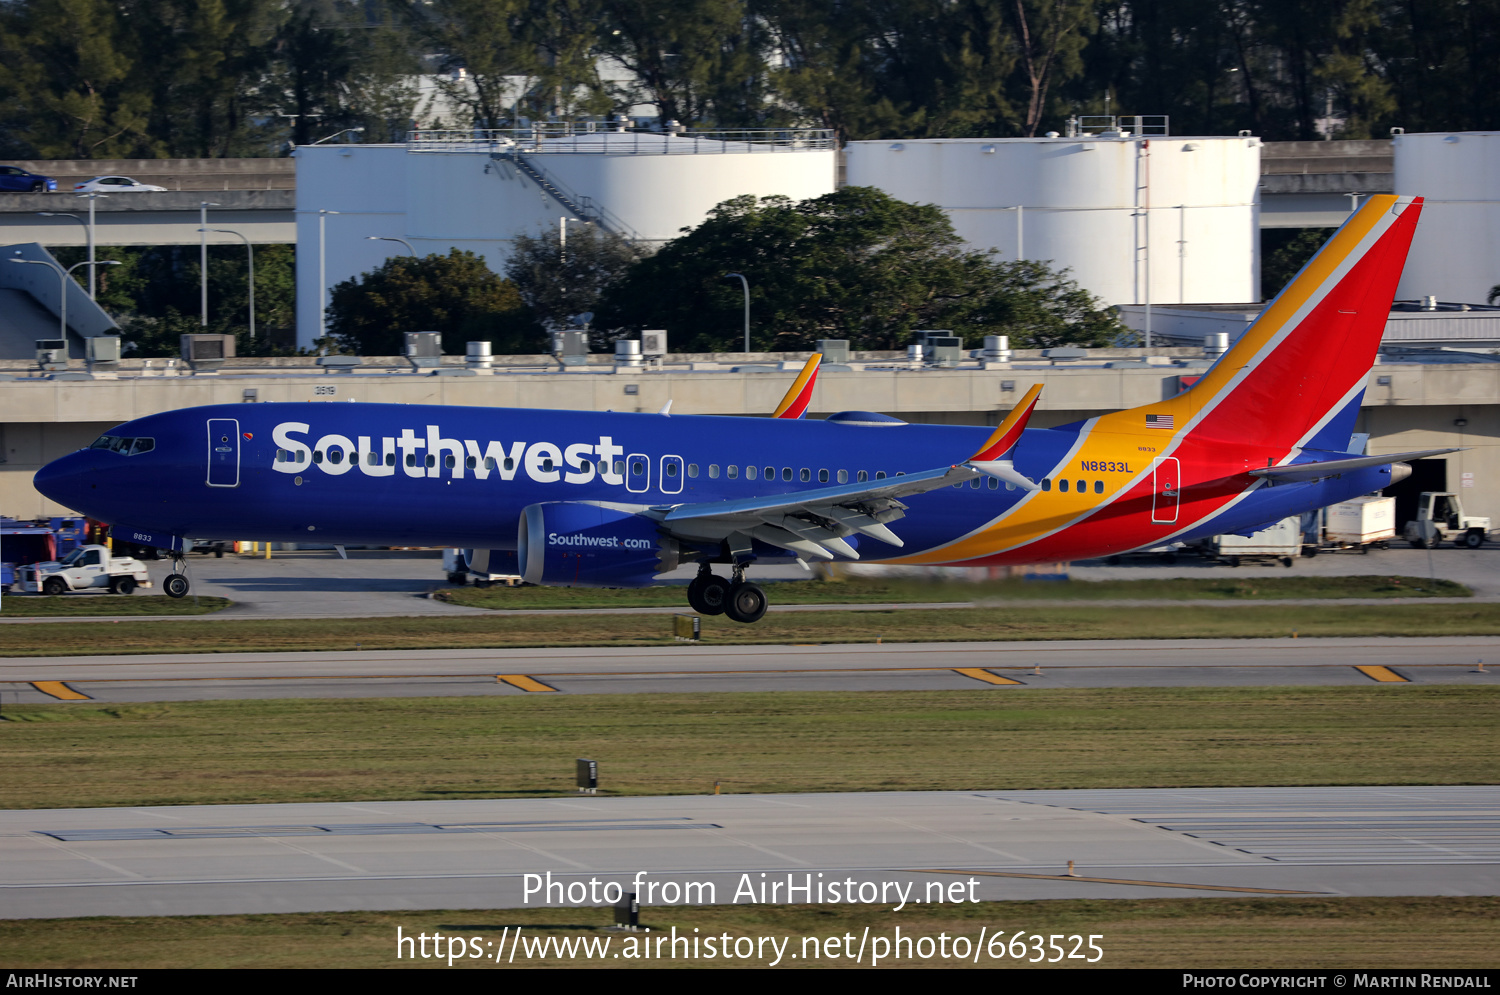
(1081, 486)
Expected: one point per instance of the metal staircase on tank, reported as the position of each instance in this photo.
(583, 207)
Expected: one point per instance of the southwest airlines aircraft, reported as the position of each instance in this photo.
(605, 499)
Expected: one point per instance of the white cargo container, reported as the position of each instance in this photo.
(1362, 522)
(1282, 541)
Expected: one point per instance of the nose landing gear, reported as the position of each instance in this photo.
(176, 585)
(741, 600)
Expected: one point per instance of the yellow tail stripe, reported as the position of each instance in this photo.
(523, 682)
(58, 689)
(1383, 674)
(983, 675)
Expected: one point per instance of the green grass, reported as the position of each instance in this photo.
(1090, 620)
(864, 590)
(1359, 933)
(88, 754)
(45, 606)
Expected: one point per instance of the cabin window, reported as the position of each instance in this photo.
(1083, 487)
(750, 472)
(805, 475)
(450, 461)
(879, 474)
(822, 476)
(862, 476)
(335, 456)
(547, 466)
(280, 456)
(1098, 487)
(636, 469)
(974, 484)
(671, 469)
(734, 471)
(994, 483)
(431, 461)
(371, 459)
(1009, 486)
(390, 459)
(1046, 483)
(411, 459)
(713, 471)
(471, 462)
(693, 470)
(1062, 487)
(771, 473)
(843, 476)
(317, 455)
(489, 462)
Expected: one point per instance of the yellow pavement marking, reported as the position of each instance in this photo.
(523, 682)
(983, 675)
(58, 689)
(1146, 884)
(1383, 674)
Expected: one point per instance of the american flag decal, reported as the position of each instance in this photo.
(1158, 421)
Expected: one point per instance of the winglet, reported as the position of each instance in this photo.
(794, 404)
(1009, 431)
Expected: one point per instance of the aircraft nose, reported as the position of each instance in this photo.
(66, 480)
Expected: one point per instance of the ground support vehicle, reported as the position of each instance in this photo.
(34, 542)
(1281, 541)
(458, 565)
(1440, 517)
(87, 568)
(1360, 524)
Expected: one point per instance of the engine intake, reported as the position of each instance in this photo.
(582, 544)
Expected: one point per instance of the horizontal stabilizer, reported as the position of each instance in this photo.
(1006, 471)
(1328, 468)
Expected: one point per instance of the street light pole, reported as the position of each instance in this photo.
(93, 270)
(203, 255)
(323, 277)
(390, 238)
(250, 253)
(62, 284)
(746, 284)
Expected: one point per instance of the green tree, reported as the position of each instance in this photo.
(70, 84)
(557, 280)
(456, 294)
(854, 264)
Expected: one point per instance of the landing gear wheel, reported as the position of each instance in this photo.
(125, 585)
(1473, 540)
(747, 603)
(54, 586)
(176, 586)
(708, 594)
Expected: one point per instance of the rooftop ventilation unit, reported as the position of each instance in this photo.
(52, 354)
(207, 352)
(424, 350)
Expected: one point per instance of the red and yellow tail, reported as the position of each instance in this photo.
(794, 404)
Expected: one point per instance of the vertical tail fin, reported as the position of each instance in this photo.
(1298, 372)
(799, 395)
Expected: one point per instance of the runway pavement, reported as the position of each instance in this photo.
(982, 667)
(989, 845)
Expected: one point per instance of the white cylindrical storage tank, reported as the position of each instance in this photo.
(1135, 220)
(1455, 254)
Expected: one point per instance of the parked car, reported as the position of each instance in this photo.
(14, 179)
(116, 184)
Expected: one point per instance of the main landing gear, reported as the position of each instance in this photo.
(741, 600)
(176, 584)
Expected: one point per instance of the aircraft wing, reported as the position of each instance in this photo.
(812, 523)
(1329, 468)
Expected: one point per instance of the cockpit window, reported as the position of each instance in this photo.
(123, 446)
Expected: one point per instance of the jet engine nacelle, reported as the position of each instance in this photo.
(582, 544)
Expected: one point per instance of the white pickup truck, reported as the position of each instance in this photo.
(86, 568)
